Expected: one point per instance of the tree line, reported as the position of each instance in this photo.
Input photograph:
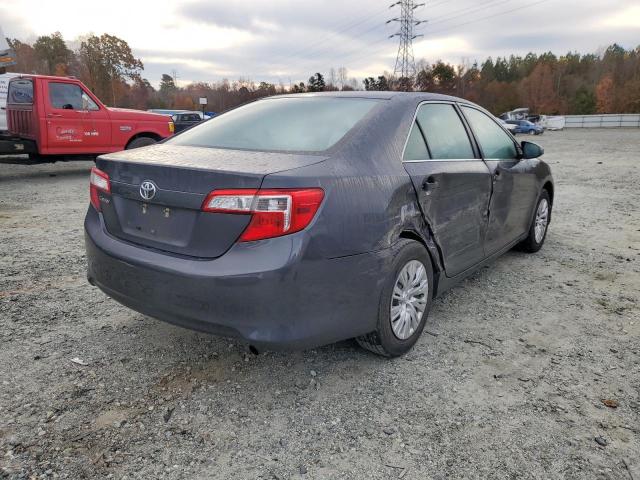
(607, 82)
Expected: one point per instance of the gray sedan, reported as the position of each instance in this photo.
(301, 220)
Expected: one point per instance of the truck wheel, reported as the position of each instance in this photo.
(140, 142)
(404, 303)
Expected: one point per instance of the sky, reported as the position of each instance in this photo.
(283, 41)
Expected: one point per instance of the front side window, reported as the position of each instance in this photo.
(311, 124)
(446, 136)
(494, 142)
(65, 96)
(20, 91)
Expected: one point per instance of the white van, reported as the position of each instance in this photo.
(4, 85)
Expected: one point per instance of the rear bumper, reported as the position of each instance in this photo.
(17, 146)
(270, 293)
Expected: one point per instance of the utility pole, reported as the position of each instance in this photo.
(405, 68)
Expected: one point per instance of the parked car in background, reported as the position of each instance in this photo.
(164, 111)
(184, 120)
(512, 128)
(255, 225)
(525, 126)
(51, 118)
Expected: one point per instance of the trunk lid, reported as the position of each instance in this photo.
(168, 217)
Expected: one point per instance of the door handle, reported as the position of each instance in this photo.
(496, 176)
(429, 183)
(54, 115)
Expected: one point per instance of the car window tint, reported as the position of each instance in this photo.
(444, 132)
(65, 96)
(495, 143)
(416, 149)
(308, 124)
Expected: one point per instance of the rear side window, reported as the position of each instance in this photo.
(416, 149)
(20, 91)
(494, 142)
(445, 134)
(309, 124)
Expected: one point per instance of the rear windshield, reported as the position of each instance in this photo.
(311, 124)
(20, 91)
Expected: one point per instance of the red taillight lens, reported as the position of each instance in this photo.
(273, 212)
(98, 182)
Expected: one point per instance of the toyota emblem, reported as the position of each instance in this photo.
(148, 190)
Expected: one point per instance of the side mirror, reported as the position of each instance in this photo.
(531, 150)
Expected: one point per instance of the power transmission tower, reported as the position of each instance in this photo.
(405, 67)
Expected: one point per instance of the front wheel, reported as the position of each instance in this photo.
(539, 225)
(140, 142)
(404, 302)
(532, 132)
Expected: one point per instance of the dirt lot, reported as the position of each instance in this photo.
(509, 384)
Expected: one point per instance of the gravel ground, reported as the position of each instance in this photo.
(509, 383)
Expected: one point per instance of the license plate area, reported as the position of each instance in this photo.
(158, 223)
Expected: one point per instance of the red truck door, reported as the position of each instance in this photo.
(73, 120)
(97, 124)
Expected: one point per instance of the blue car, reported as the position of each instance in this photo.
(525, 126)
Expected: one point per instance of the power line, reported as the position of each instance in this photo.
(366, 50)
(344, 27)
(487, 17)
(465, 11)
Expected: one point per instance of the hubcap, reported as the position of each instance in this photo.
(409, 299)
(542, 219)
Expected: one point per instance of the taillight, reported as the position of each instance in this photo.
(98, 182)
(273, 212)
(172, 127)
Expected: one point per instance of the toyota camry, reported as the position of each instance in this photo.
(301, 220)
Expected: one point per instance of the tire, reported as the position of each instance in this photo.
(534, 242)
(384, 340)
(532, 132)
(140, 142)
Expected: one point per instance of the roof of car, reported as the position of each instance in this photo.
(381, 95)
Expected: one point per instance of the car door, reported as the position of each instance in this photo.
(75, 122)
(513, 180)
(452, 183)
(97, 125)
(64, 118)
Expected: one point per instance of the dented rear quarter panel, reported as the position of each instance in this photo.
(370, 200)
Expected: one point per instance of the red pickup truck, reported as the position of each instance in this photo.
(58, 118)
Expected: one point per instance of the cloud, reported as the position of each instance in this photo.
(626, 18)
(282, 40)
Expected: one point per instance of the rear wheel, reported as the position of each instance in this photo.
(404, 302)
(539, 225)
(140, 142)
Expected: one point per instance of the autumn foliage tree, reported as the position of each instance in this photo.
(53, 53)
(608, 82)
(107, 61)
